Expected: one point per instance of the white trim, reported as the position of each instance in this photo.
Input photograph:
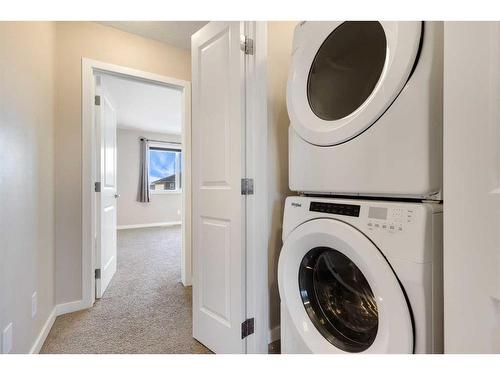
(166, 145)
(186, 253)
(160, 192)
(274, 334)
(69, 307)
(257, 218)
(149, 225)
(89, 68)
(44, 332)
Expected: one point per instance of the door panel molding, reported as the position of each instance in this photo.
(218, 207)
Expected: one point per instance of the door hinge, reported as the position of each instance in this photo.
(97, 187)
(247, 328)
(98, 273)
(246, 45)
(97, 100)
(246, 186)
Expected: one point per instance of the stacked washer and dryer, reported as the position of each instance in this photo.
(360, 270)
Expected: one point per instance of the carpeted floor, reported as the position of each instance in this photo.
(145, 309)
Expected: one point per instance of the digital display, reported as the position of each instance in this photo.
(377, 213)
(335, 208)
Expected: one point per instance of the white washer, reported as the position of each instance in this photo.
(361, 276)
(365, 105)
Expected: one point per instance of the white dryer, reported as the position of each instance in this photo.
(361, 276)
(365, 106)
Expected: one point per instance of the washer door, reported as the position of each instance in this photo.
(344, 76)
(341, 293)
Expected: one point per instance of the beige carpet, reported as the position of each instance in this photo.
(145, 309)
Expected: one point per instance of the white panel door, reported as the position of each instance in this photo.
(217, 169)
(472, 187)
(106, 199)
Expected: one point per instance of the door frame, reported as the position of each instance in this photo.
(256, 210)
(89, 68)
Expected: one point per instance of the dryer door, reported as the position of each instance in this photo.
(341, 293)
(344, 75)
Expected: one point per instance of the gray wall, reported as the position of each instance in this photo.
(27, 252)
(164, 207)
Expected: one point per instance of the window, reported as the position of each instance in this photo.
(165, 165)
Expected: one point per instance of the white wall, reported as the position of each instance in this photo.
(472, 187)
(165, 207)
(27, 253)
(280, 35)
(75, 40)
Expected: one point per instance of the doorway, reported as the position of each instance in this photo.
(137, 289)
(139, 164)
(101, 81)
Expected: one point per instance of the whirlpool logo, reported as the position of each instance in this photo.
(295, 204)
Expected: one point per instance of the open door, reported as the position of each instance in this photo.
(105, 265)
(218, 128)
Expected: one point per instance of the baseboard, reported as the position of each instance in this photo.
(69, 307)
(37, 346)
(60, 309)
(274, 334)
(163, 224)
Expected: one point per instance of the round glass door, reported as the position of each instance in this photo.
(344, 76)
(338, 299)
(346, 69)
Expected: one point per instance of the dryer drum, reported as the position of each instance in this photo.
(345, 75)
(338, 299)
(346, 69)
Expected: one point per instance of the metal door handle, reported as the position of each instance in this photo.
(117, 196)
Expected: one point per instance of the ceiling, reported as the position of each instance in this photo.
(175, 33)
(144, 106)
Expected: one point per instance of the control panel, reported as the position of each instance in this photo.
(392, 220)
(335, 208)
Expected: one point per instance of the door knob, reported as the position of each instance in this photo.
(117, 196)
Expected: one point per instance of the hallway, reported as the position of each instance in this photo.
(145, 309)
